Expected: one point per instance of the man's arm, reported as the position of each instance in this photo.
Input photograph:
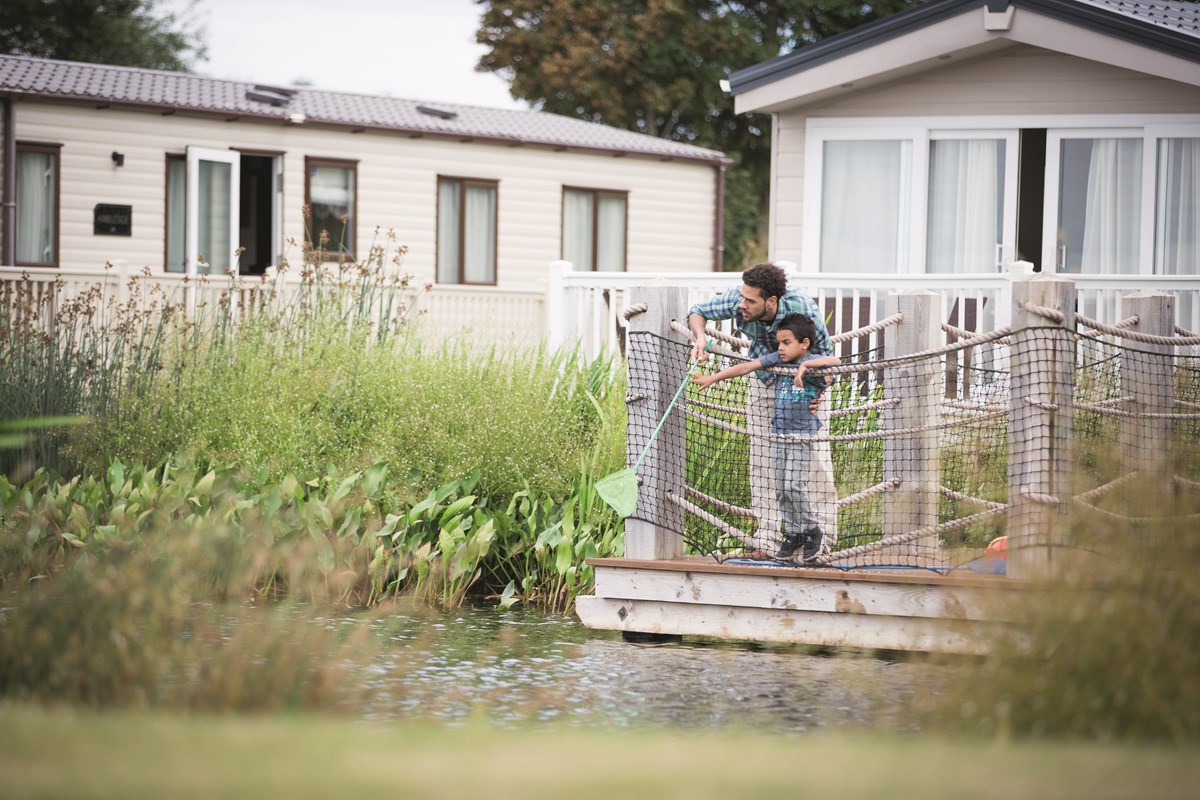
(723, 306)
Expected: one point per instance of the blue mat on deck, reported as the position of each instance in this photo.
(982, 566)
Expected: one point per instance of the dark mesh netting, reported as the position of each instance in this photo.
(919, 461)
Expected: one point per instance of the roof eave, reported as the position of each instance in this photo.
(311, 121)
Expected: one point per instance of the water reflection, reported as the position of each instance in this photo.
(521, 667)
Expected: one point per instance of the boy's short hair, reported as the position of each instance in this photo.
(801, 326)
(767, 278)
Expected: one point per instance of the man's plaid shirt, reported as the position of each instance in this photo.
(762, 334)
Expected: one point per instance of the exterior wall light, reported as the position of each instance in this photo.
(118, 158)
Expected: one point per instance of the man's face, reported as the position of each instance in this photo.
(754, 308)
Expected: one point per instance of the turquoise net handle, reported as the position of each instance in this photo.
(686, 376)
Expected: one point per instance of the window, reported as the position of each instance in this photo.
(965, 225)
(865, 205)
(466, 233)
(37, 205)
(1094, 195)
(594, 224)
(330, 191)
(176, 259)
(1177, 225)
(1099, 205)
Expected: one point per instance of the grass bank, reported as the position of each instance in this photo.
(57, 753)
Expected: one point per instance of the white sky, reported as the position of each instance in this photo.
(414, 49)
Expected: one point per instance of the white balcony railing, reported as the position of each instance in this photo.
(585, 307)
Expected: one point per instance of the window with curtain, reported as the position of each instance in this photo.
(864, 210)
(176, 258)
(466, 232)
(330, 192)
(1100, 201)
(37, 205)
(1177, 208)
(966, 205)
(594, 229)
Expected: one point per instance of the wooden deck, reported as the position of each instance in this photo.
(918, 610)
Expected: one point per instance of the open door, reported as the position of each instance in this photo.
(212, 211)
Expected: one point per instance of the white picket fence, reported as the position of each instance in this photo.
(585, 308)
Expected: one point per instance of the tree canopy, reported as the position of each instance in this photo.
(655, 66)
(126, 33)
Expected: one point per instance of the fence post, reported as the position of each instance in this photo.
(1147, 376)
(1041, 409)
(655, 374)
(556, 318)
(912, 458)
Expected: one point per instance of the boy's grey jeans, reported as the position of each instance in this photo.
(821, 490)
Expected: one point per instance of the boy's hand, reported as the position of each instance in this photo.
(801, 368)
(704, 380)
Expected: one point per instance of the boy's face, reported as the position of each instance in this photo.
(790, 348)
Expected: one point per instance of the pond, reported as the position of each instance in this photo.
(517, 668)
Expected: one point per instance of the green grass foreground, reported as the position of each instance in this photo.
(75, 754)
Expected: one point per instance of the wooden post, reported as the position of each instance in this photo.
(656, 373)
(556, 318)
(1148, 377)
(1041, 406)
(911, 458)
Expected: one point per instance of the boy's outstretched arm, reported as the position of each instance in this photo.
(741, 368)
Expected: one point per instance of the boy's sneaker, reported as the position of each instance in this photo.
(814, 545)
(791, 543)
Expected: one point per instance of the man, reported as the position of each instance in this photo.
(757, 307)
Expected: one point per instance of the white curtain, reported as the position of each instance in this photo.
(1177, 221)
(447, 236)
(331, 193)
(35, 208)
(966, 199)
(577, 228)
(861, 206)
(176, 202)
(610, 244)
(480, 255)
(213, 228)
(1112, 215)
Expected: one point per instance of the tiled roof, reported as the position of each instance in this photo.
(1169, 26)
(184, 92)
(1173, 14)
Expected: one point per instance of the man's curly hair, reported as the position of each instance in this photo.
(768, 279)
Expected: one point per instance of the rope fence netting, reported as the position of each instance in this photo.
(915, 460)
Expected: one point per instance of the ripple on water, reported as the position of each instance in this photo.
(521, 667)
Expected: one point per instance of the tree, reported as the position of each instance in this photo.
(126, 33)
(655, 66)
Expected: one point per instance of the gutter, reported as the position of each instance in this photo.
(8, 195)
(719, 218)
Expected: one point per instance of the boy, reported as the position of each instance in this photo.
(793, 418)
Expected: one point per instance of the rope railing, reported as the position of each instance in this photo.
(875, 405)
(910, 536)
(879, 488)
(842, 437)
(966, 498)
(713, 520)
(959, 405)
(1145, 338)
(1052, 314)
(1106, 488)
(869, 366)
(867, 330)
(1096, 408)
(720, 505)
(633, 310)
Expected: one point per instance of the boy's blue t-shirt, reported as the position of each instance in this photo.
(791, 401)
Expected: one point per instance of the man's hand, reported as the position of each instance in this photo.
(699, 338)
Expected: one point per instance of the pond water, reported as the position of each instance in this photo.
(517, 668)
